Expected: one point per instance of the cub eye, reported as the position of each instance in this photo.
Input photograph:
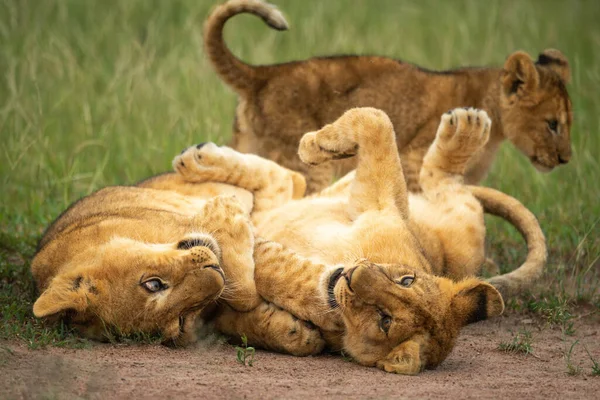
(552, 125)
(406, 281)
(385, 321)
(154, 285)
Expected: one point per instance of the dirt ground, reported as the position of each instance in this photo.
(475, 369)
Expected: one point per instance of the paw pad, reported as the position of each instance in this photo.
(463, 131)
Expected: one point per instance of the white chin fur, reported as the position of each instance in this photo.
(542, 168)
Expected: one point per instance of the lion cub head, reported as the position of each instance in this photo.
(404, 321)
(122, 261)
(136, 287)
(536, 112)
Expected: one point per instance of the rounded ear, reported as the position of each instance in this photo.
(557, 62)
(404, 359)
(519, 75)
(62, 295)
(475, 300)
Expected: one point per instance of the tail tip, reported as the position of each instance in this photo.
(276, 20)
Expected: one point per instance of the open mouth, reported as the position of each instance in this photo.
(191, 312)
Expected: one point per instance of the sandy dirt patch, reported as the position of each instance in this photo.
(475, 369)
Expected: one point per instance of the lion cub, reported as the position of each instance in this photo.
(152, 257)
(388, 277)
(527, 101)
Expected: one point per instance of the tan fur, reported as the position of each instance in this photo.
(279, 103)
(367, 230)
(94, 259)
(94, 262)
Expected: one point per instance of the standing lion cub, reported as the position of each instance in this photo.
(526, 100)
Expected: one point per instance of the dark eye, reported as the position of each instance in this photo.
(552, 125)
(406, 281)
(385, 321)
(154, 285)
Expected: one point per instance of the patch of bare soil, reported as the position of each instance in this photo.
(475, 369)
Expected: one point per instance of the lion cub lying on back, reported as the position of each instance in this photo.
(388, 277)
(151, 258)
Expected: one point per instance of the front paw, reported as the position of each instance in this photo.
(206, 162)
(227, 220)
(223, 207)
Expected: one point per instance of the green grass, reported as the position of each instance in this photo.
(94, 93)
(572, 368)
(244, 353)
(520, 343)
(595, 364)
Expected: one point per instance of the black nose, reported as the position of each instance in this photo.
(187, 244)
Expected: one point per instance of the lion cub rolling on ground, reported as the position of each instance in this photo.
(153, 257)
(527, 101)
(388, 277)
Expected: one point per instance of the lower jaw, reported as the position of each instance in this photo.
(541, 167)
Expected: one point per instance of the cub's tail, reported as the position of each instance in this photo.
(510, 209)
(242, 77)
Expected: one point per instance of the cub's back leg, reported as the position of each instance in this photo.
(367, 132)
(456, 215)
(271, 184)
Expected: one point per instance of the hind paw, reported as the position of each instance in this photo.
(298, 337)
(463, 131)
(326, 144)
(207, 162)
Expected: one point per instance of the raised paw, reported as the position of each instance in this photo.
(325, 145)
(364, 127)
(463, 131)
(207, 162)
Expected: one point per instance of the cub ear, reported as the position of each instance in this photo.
(519, 76)
(557, 62)
(404, 359)
(63, 294)
(475, 300)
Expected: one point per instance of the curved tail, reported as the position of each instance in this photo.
(510, 209)
(242, 77)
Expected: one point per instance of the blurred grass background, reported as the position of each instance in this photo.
(94, 93)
